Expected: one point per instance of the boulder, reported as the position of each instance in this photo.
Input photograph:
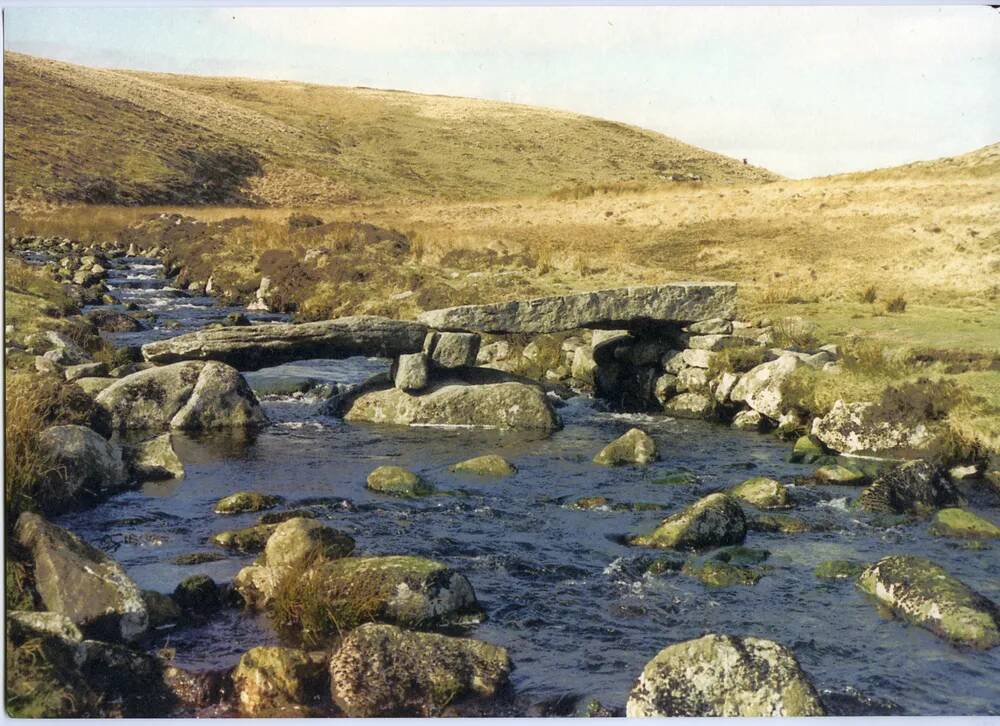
(81, 582)
(249, 540)
(93, 386)
(452, 350)
(251, 347)
(916, 487)
(190, 396)
(690, 405)
(858, 428)
(924, 594)
(162, 609)
(714, 521)
(762, 493)
(113, 321)
(411, 372)
(399, 482)
(382, 670)
(274, 682)
(198, 594)
(84, 465)
(154, 459)
(962, 524)
(584, 367)
(633, 447)
(748, 420)
(85, 370)
(487, 465)
(299, 541)
(713, 326)
(807, 450)
(664, 388)
(839, 474)
(627, 307)
(242, 502)
(692, 379)
(724, 388)
(478, 397)
(761, 387)
(723, 675)
(697, 358)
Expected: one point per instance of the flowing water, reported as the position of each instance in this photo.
(563, 594)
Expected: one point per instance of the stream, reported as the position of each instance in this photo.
(563, 594)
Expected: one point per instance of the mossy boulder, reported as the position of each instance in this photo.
(398, 482)
(162, 608)
(299, 541)
(839, 569)
(677, 478)
(715, 521)
(198, 594)
(924, 594)
(916, 487)
(762, 493)
(633, 447)
(381, 670)
(807, 450)
(242, 502)
(488, 465)
(722, 675)
(715, 573)
(249, 540)
(963, 524)
(740, 555)
(839, 474)
(274, 682)
(81, 582)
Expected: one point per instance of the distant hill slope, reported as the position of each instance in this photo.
(978, 164)
(124, 137)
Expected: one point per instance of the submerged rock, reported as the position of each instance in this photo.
(488, 465)
(963, 524)
(81, 582)
(475, 397)
(762, 493)
(839, 569)
(780, 523)
(924, 594)
(633, 447)
(241, 502)
(714, 521)
(274, 682)
(399, 482)
(837, 474)
(381, 670)
(916, 487)
(722, 675)
(716, 573)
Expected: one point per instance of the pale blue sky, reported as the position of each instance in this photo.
(802, 90)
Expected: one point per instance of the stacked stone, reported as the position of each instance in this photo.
(442, 354)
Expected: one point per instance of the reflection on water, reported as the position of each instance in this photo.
(563, 594)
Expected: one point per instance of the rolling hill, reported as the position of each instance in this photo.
(122, 137)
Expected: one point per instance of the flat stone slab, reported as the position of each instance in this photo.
(627, 308)
(251, 347)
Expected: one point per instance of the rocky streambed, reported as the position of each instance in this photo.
(580, 610)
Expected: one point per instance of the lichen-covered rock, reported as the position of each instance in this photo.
(154, 459)
(399, 482)
(762, 493)
(924, 594)
(249, 540)
(299, 541)
(241, 502)
(381, 670)
(84, 465)
(275, 682)
(858, 428)
(81, 582)
(85, 370)
(714, 521)
(761, 388)
(839, 570)
(722, 675)
(962, 524)
(94, 385)
(633, 447)
(487, 465)
(691, 405)
(477, 397)
(916, 487)
(190, 395)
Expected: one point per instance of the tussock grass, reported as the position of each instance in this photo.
(736, 360)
